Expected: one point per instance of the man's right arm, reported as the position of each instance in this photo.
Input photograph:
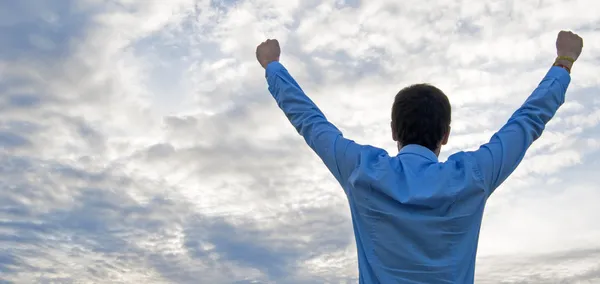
(498, 158)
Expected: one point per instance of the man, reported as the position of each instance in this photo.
(415, 219)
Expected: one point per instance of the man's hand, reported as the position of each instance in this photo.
(568, 48)
(267, 52)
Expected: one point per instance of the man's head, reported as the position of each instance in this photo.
(421, 115)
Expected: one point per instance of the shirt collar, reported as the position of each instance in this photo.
(419, 150)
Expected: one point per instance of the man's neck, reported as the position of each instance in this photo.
(436, 152)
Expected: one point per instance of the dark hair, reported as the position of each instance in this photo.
(421, 115)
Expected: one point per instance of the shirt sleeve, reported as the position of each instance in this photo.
(339, 154)
(498, 158)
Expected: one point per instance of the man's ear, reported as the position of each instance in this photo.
(446, 136)
(394, 134)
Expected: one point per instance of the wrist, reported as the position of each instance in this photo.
(568, 65)
(266, 63)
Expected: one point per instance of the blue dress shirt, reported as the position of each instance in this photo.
(415, 219)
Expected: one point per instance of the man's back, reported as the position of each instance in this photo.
(416, 220)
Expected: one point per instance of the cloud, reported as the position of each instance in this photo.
(138, 142)
(576, 266)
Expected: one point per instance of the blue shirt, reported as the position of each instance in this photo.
(416, 219)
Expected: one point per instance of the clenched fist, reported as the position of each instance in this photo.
(267, 52)
(568, 45)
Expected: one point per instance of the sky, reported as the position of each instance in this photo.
(139, 142)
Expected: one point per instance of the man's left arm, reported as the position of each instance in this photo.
(339, 154)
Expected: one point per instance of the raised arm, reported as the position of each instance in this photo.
(498, 158)
(339, 154)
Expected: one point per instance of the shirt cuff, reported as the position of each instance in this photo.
(560, 74)
(273, 68)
